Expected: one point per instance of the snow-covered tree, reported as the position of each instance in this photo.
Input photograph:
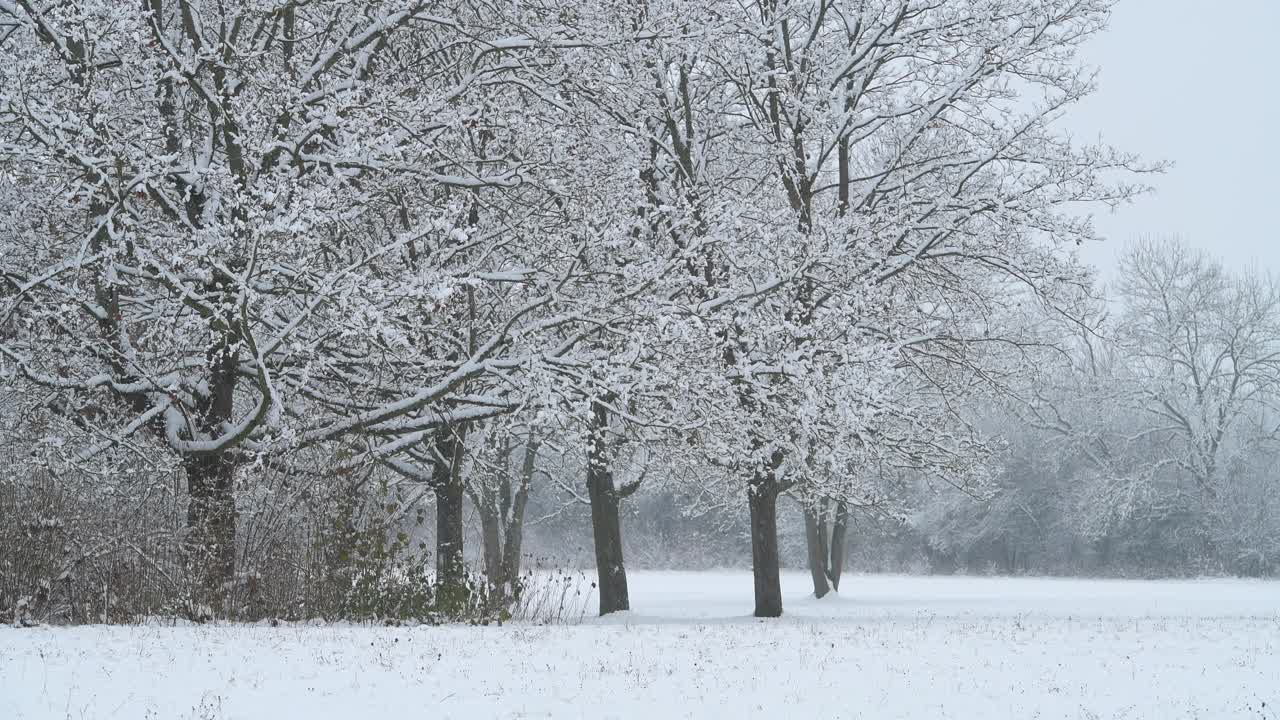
(242, 230)
(903, 190)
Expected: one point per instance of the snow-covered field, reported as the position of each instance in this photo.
(891, 647)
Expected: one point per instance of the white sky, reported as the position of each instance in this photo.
(1195, 82)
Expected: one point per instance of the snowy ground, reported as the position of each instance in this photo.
(891, 647)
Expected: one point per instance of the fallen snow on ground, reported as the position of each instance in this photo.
(890, 647)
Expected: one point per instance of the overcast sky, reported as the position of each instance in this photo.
(1195, 82)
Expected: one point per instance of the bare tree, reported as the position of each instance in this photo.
(1203, 347)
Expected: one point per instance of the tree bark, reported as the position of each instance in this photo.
(606, 526)
(450, 568)
(502, 519)
(211, 508)
(449, 490)
(815, 535)
(839, 530)
(491, 535)
(211, 525)
(515, 526)
(825, 544)
(762, 496)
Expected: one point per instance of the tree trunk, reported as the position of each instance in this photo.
(826, 546)
(839, 529)
(449, 490)
(606, 525)
(211, 524)
(211, 508)
(815, 536)
(762, 496)
(502, 521)
(515, 526)
(491, 535)
(450, 568)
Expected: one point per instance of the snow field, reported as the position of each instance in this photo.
(891, 647)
